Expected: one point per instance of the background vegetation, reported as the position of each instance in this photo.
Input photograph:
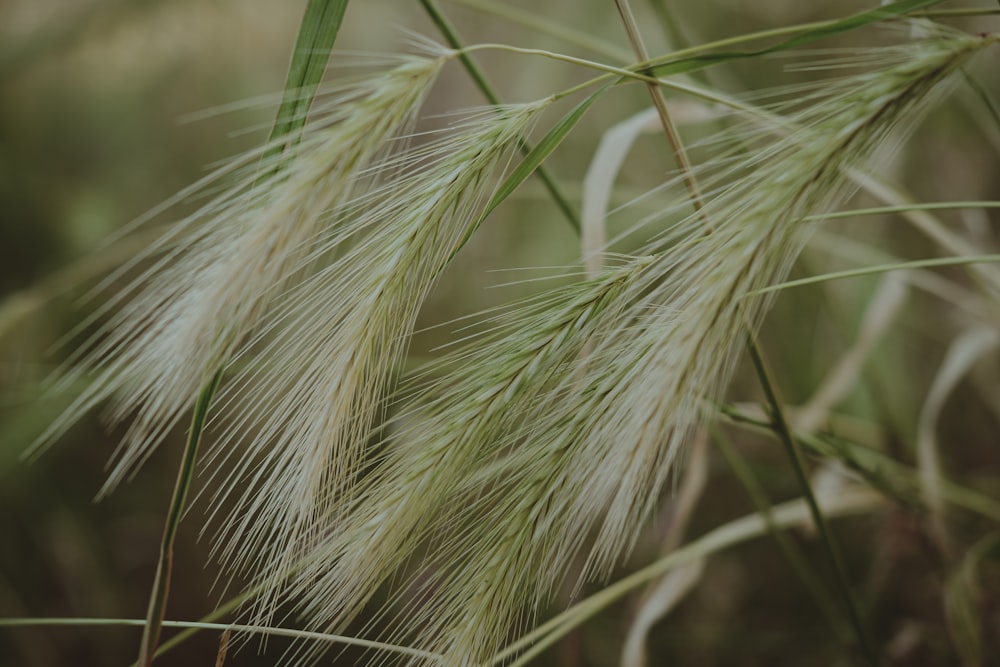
(110, 107)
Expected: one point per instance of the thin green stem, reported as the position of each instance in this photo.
(669, 128)
(983, 94)
(956, 13)
(879, 470)
(642, 71)
(161, 582)
(681, 158)
(788, 547)
(317, 33)
(798, 30)
(800, 33)
(692, 51)
(784, 433)
(546, 27)
(217, 613)
(882, 268)
(201, 625)
(611, 72)
(882, 210)
(479, 78)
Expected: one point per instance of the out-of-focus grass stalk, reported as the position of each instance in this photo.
(787, 514)
(265, 630)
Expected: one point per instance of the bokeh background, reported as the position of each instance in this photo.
(109, 107)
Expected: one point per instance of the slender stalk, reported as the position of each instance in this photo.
(451, 36)
(955, 13)
(202, 625)
(161, 582)
(882, 268)
(983, 94)
(207, 619)
(551, 28)
(800, 34)
(317, 33)
(878, 468)
(680, 155)
(881, 210)
(220, 658)
(784, 433)
(796, 559)
(588, 41)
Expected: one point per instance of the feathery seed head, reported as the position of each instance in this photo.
(190, 313)
(508, 477)
(552, 435)
(683, 344)
(318, 386)
(448, 435)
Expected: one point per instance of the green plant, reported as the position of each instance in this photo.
(445, 508)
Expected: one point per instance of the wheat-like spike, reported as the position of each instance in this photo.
(189, 314)
(592, 456)
(318, 386)
(436, 445)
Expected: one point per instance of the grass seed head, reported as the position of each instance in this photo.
(320, 383)
(521, 481)
(549, 438)
(191, 312)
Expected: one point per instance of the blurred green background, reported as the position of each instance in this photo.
(110, 107)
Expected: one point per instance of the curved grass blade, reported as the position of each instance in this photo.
(450, 36)
(794, 555)
(533, 159)
(546, 26)
(882, 268)
(783, 431)
(853, 22)
(883, 473)
(317, 34)
(964, 598)
(203, 625)
(733, 533)
(984, 96)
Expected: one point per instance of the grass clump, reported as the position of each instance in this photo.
(446, 510)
